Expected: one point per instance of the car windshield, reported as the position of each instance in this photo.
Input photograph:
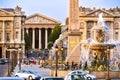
(31, 72)
(54, 79)
(78, 77)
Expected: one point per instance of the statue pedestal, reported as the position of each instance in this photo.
(73, 53)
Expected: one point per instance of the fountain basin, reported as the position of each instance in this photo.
(103, 75)
(99, 46)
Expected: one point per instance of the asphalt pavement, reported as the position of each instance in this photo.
(3, 70)
(36, 68)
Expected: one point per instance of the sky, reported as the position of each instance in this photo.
(57, 9)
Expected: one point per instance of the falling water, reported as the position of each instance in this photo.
(100, 38)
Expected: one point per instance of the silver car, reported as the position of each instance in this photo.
(79, 75)
(27, 74)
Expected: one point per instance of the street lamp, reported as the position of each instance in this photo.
(19, 61)
(58, 48)
(108, 61)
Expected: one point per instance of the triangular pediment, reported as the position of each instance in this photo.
(5, 13)
(97, 12)
(40, 19)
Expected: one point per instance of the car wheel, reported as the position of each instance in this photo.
(30, 78)
(89, 78)
(16, 76)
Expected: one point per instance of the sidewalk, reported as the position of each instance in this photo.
(36, 68)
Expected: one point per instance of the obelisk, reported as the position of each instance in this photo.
(73, 31)
(73, 15)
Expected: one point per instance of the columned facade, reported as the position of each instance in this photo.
(39, 37)
(12, 33)
(39, 27)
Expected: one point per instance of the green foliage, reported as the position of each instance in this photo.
(27, 40)
(55, 34)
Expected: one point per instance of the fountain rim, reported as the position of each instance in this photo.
(100, 46)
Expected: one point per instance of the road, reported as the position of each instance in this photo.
(3, 70)
(42, 71)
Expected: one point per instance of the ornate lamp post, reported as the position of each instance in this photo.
(58, 48)
(19, 62)
(108, 61)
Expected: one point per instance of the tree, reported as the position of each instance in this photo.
(54, 35)
(27, 42)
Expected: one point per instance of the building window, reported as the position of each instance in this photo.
(90, 24)
(116, 35)
(107, 23)
(7, 24)
(0, 37)
(16, 36)
(8, 36)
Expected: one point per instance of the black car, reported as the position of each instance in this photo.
(2, 61)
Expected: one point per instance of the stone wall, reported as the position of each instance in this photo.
(60, 73)
(99, 75)
(102, 75)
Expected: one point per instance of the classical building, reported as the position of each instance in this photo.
(11, 32)
(13, 25)
(84, 19)
(39, 27)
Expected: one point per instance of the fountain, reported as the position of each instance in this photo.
(100, 51)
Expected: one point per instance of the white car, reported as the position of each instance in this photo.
(79, 75)
(27, 74)
(52, 78)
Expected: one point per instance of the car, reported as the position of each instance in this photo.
(52, 78)
(79, 75)
(32, 60)
(2, 61)
(5, 60)
(27, 74)
(10, 78)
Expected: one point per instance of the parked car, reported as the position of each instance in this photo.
(52, 78)
(79, 75)
(2, 61)
(10, 78)
(6, 60)
(32, 60)
(27, 74)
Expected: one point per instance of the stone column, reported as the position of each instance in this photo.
(12, 32)
(46, 38)
(119, 32)
(23, 35)
(84, 37)
(39, 38)
(3, 25)
(27, 30)
(33, 41)
(111, 26)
